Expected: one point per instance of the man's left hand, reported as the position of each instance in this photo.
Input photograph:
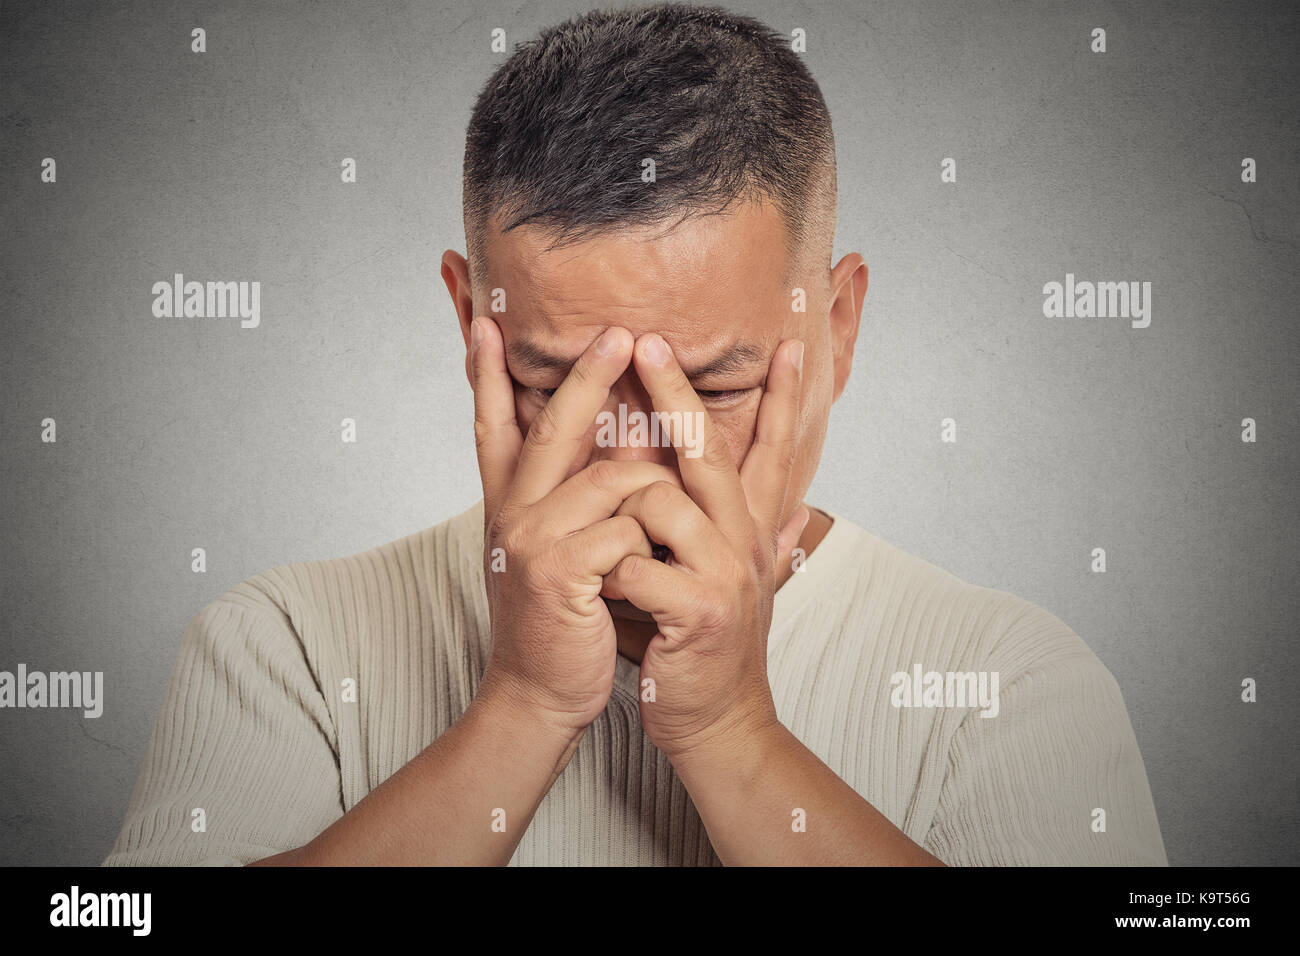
(729, 534)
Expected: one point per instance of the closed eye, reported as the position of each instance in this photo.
(723, 397)
(713, 396)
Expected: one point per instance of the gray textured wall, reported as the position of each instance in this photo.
(1072, 434)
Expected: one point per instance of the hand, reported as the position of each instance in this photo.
(728, 532)
(553, 642)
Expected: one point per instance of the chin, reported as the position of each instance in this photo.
(626, 610)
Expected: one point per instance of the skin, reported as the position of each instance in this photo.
(645, 281)
(632, 317)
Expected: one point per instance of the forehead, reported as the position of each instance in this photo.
(705, 283)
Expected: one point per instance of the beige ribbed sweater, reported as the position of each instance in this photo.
(255, 730)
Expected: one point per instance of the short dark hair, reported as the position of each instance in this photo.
(721, 103)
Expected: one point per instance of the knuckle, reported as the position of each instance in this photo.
(549, 575)
(660, 494)
(545, 428)
(498, 526)
(547, 571)
(717, 456)
(582, 371)
(534, 585)
(713, 613)
(603, 474)
(627, 529)
(739, 576)
(679, 385)
(515, 540)
(629, 569)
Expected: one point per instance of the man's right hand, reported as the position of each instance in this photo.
(468, 797)
(554, 646)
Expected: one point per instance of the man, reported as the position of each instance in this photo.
(642, 646)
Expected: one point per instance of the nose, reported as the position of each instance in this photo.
(628, 429)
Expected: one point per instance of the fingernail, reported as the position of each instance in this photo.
(655, 350)
(475, 334)
(607, 344)
(796, 355)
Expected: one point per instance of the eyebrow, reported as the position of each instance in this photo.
(736, 358)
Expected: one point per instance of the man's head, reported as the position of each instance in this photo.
(671, 170)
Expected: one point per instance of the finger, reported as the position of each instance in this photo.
(667, 594)
(594, 493)
(497, 440)
(765, 472)
(703, 456)
(594, 551)
(562, 425)
(671, 518)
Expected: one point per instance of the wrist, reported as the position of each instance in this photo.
(737, 747)
(505, 702)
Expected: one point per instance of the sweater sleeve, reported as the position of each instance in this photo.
(1027, 787)
(244, 735)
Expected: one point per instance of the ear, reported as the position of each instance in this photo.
(455, 272)
(848, 289)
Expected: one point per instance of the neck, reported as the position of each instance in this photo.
(635, 636)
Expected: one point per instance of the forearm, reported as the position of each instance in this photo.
(747, 790)
(441, 807)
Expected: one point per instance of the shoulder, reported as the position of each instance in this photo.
(862, 568)
(401, 579)
(857, 563)
(933, 617)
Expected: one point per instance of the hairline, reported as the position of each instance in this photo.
(798, 244)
